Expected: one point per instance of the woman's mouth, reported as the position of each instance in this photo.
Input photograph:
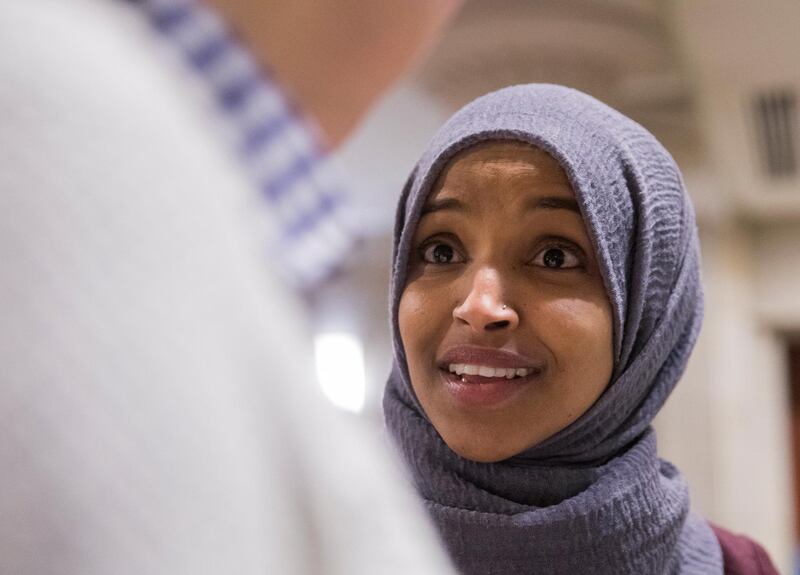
(483, 386)
(484, 377)
(486, 372)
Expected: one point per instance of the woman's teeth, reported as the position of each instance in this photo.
(484, 371)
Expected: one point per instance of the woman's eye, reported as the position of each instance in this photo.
(556, 258)
(440, 253)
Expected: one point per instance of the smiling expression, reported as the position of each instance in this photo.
(504, 318)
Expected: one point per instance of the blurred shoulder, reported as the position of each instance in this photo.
(54, 33)
(741, 555)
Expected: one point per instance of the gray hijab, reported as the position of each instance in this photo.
(595, 497)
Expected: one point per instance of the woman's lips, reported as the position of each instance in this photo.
(488, 356)
(471, 389)
(476, 391)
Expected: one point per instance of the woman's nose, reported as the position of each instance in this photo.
(483, 309)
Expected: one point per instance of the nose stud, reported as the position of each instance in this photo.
(505, 307)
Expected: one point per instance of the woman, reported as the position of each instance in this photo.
(545, 300)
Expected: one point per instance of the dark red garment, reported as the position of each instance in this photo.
(743, 556)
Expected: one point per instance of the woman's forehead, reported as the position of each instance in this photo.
(505, 161)
(512, 171)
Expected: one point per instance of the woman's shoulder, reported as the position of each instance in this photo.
(741, 555)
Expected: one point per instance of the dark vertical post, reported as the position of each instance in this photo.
(794, 398)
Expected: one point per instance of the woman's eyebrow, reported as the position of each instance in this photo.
(546, 203)
(443, 204)
(553, 203)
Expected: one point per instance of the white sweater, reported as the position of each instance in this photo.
(157, 412)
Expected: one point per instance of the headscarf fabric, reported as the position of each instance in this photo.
(594, 497)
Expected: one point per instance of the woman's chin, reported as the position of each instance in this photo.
(489, 451)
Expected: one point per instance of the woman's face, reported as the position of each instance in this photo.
(504, 318)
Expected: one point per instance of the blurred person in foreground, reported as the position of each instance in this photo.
(156, 399)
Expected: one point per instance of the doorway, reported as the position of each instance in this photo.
(793, 357)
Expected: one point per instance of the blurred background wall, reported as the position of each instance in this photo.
(717, 81)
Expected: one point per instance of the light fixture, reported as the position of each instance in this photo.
(340, 369)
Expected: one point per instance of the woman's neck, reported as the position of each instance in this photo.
(335, 57)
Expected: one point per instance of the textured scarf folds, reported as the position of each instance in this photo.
(595, 497)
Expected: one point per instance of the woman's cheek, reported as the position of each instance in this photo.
(405, 317)
(583, 333)
(578, 323)
(417, 322)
